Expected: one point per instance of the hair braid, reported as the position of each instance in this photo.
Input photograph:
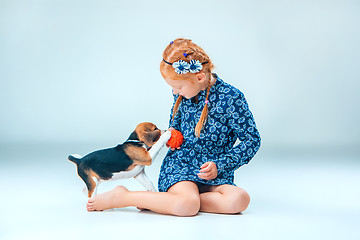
(176, 106)
(204, 113)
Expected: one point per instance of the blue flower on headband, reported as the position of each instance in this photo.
(181, 67)
(195, 66)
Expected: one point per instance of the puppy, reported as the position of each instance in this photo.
(123, 161)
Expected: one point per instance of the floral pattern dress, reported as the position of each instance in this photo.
(229, 119)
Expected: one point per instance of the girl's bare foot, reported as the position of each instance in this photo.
(107, 200)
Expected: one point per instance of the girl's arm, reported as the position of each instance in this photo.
(242, 124)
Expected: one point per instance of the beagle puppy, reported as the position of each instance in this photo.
(123, 161)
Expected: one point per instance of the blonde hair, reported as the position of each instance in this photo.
(175, 52)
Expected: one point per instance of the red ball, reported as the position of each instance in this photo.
(175, 140)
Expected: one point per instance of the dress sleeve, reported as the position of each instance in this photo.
(242, 124)
(176, 122)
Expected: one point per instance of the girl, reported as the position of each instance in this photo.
(211, 114)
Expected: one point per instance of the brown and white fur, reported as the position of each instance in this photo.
(123, 161)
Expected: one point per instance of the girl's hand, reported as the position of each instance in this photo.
(208, 171)
(172, 149)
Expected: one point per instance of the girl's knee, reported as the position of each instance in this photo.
(187, 206)
(238, 201)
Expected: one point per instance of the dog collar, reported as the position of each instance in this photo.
(137, 141)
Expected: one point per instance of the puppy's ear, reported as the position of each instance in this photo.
(133, 136)
(152, 137)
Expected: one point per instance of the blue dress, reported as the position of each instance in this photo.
(229, 119)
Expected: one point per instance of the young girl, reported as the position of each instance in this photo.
(211, 114)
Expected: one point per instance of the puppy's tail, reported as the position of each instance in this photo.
(75, 158)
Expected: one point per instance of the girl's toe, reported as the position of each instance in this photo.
(90, 206)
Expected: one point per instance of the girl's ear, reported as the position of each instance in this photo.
(201, 76)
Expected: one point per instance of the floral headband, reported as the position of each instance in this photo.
(182, 67)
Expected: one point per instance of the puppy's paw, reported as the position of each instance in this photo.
(166, 136)
(85, 191)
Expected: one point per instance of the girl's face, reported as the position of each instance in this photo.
(187, 88)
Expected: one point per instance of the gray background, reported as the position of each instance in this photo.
(76, 76)
(88, 71)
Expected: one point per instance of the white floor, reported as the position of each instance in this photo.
(293, 197)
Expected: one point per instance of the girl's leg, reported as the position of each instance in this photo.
(223, 199)
(182, 199)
